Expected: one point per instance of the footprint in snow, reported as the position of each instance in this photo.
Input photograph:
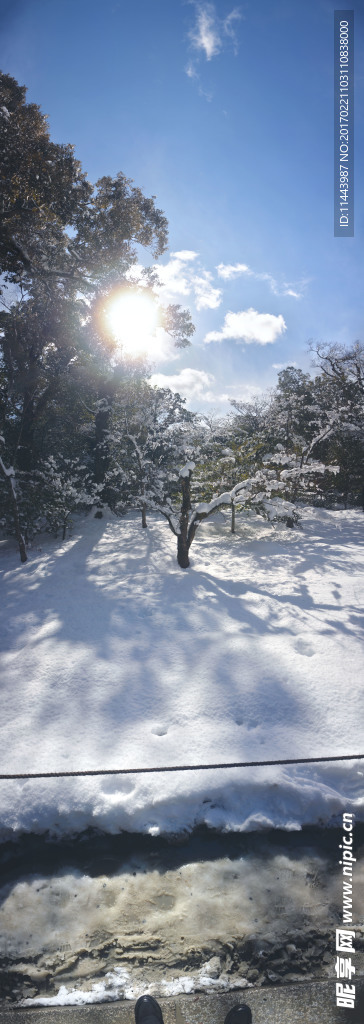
(159, 730)
(304, 647)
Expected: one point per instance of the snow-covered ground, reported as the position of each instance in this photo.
(114, 657)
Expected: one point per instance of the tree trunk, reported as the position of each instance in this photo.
(232, 517)
(32, 411)
(102, 426)
(144, 515)
(18, 533)
(24, 455)
(65, 525)
(182, 551)
(183, 540)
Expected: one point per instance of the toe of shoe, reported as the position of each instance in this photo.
(148, 1011)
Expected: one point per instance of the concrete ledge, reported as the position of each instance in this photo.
(303, 1003)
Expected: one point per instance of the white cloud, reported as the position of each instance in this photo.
(199, 387)
(135, 274)
(285, 288)
(231, 270)
(283, 366)
(191, 70)
(186, 255)
(206, 35)
(210, 34)
(242, 392)
(290, 291)
(181, 278)
(206, 297)
(191, 384)
(228, 26)
(175, 277)
(250, 326)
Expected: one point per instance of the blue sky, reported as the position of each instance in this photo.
(223, 111)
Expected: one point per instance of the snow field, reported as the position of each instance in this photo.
(114, 657)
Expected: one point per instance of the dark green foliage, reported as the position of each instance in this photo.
(65, 245)
(42, 189)
(44, 192)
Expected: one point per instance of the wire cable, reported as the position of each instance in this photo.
(179, 768)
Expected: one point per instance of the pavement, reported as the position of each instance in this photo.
(302, 1003)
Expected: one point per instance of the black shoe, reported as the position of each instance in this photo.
(239, 1014)
(148, 1011)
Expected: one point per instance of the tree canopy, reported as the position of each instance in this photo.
(54, 222)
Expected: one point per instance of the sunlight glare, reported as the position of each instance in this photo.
(134, 320)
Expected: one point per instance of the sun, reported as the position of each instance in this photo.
(134, 319)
